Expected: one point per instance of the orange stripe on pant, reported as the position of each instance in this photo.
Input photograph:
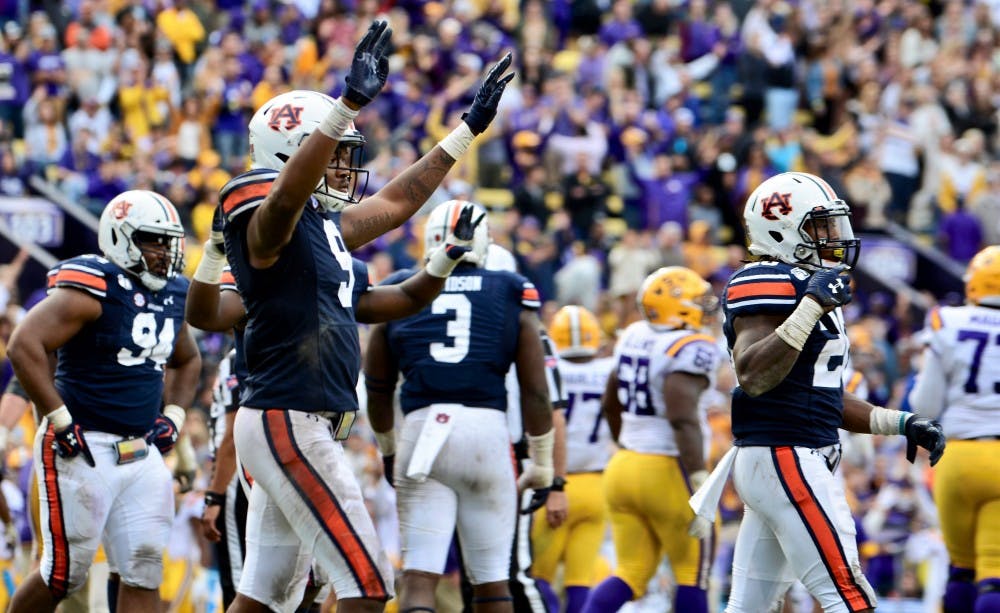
(59, 577)
(819, 528)
(322, 504)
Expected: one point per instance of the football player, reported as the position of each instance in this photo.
(959, 381)
(663, 364)
(290, 255)
(785, 331)
(123, 351)
(576, 541)
(454, 467)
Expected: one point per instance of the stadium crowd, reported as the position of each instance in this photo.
(629, 140)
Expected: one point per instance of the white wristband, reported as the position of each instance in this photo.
(458, 141)
(540, 449)
(337, 120)
(60, 418)
(210, 267)
(386, 442)
(888, 421)
(439, 264)
(796, 329)
(175, 414)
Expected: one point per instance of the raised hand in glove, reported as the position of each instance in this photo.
(457, 244)
(926, 433)
(215, 237)
(370, 66)
(830, 287)
(484, 108)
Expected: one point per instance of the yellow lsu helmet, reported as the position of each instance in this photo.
(675, 297)
(575, 332)
(982, 278)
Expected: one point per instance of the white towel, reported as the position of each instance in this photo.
(437, 427)
(705, 501)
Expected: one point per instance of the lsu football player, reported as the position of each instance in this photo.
(959, 383)
(662, 365)
(785, 331)
(576, 541)
(123, 352)
(453, 464)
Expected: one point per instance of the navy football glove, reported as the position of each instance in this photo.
(926, 433)
(163, 434)
(538, 498)
(484, 108)
(370, 67)
(70, 443)
(831, 287)
(460, 241)
(216, 237)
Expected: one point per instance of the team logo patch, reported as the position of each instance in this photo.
(800, 274)
(776, 201)
(139, 300)
(120, 209)
(443, 418)
(291, 115)
(124, 283)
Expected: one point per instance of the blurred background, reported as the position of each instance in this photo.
(629, 140)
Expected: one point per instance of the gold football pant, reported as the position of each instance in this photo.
(577, 541)
(647, 497)
(967, 494)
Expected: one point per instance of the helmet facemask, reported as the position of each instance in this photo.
(159, 257)
(347, 159)
(827, 237)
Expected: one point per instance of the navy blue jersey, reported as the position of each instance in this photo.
(110, 374)
(239, 365)
(301, 340)
(459, 349)
(807, 407)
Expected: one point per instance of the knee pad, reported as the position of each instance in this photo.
(144, 569)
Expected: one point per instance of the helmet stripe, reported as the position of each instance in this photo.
(574, 326)
(823, 186)
(167, 209)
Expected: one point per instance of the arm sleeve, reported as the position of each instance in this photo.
(929, 393)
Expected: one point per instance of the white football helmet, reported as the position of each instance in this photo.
(441, 222)
(137, 223)
(796, 218)
(279, 127)
(498, 258)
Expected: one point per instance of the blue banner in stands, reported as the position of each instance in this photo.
(891, 258)
(33, 219)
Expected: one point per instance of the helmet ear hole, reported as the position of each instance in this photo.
(776, 236)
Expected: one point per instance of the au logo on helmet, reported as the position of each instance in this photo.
(292, 115)
(776, 200)
(120, 209)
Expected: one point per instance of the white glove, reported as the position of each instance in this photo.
(447, 256)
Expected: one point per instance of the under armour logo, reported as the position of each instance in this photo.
(169, 300)
(835, 286)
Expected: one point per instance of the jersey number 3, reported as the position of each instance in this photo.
(458, 329)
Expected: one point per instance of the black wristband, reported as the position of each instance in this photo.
(215, 499)
(558, 484)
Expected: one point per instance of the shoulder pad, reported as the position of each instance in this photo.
(246, 192)
(84, 273)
